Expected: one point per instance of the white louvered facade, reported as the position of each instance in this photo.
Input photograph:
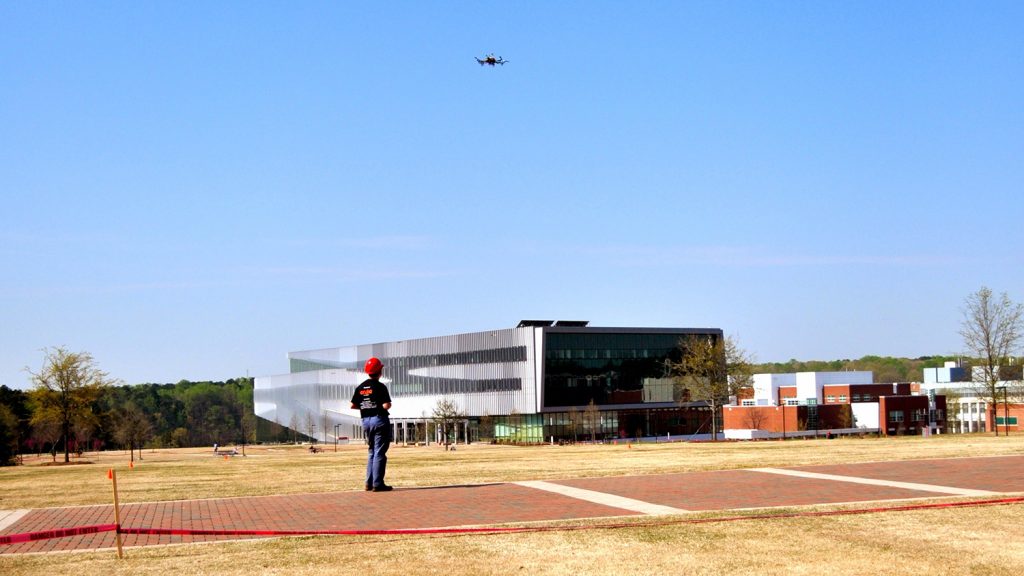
(494, 373)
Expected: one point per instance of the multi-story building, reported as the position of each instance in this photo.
(538, 382)
(832, 402)
(970, 410)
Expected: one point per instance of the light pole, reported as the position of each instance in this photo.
(336, 437)
(782, 404)
(1006, 413)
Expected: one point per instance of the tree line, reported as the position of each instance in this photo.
(75, 408)
(885, 368)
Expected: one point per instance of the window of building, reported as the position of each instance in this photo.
(842, 398)
(792, 402)
(895, 416)
(830, 399)
(748, 403)
(607, 368)
(856, 397)
(1000, 421)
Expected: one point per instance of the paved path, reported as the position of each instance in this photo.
(494, 504)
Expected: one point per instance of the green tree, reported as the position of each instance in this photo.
(179, 438)
(9, 435)
(65, 389)
(16, 401)
(712, 369)
(992, 328)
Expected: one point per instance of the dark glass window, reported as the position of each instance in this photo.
(606, 368)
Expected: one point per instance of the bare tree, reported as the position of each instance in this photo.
(513, 425)
(447, 416)
(954, 409)
(992, 329)
(844, 418)
(83, 430)
(712, 369)
(592, 419)
(293, 424)
(310, 425)
(65, 389)
(46, 431)
(574, 420)
(486, 427)
(247, 425)
(132, 428)
(755, 417)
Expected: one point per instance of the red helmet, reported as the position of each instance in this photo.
(374, 366)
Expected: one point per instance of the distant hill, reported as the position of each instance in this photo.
(885, 368)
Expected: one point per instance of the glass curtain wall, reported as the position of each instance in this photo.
(608, 368)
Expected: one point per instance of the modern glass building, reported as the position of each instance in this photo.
(540, 381)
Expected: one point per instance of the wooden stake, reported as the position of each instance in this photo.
(117, 515)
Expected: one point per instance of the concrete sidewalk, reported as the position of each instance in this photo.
(496, 504)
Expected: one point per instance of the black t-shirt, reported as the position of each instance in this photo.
(370, 397)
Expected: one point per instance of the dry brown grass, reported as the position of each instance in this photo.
(944, 541)
(196, 473)
(175, 475)
(984, 540)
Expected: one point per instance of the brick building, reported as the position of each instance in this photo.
(1006, 418)
(811, 403)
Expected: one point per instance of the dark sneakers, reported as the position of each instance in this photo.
(368, 488)
(382, 488)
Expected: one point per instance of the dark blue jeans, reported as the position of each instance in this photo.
(378, 437)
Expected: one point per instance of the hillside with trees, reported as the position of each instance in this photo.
(885, 368)
(180, 415)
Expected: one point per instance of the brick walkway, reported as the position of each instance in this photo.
(494, 504)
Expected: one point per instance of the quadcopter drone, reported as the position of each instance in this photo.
(491, 60)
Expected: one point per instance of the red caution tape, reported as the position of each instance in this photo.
(508, 529)
(58, 533)
(61, 533)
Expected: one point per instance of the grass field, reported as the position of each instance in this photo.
(982, 540)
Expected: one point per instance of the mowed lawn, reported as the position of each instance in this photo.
(976, 540)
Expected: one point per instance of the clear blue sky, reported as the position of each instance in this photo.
(192, 189)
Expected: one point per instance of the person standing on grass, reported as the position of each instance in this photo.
(373, 401)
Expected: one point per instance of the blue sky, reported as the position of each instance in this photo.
(193, 189)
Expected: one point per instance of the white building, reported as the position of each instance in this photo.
(531, 383)
(809, 385)
(965, 411)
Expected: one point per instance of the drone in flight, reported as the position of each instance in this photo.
(491, 60)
